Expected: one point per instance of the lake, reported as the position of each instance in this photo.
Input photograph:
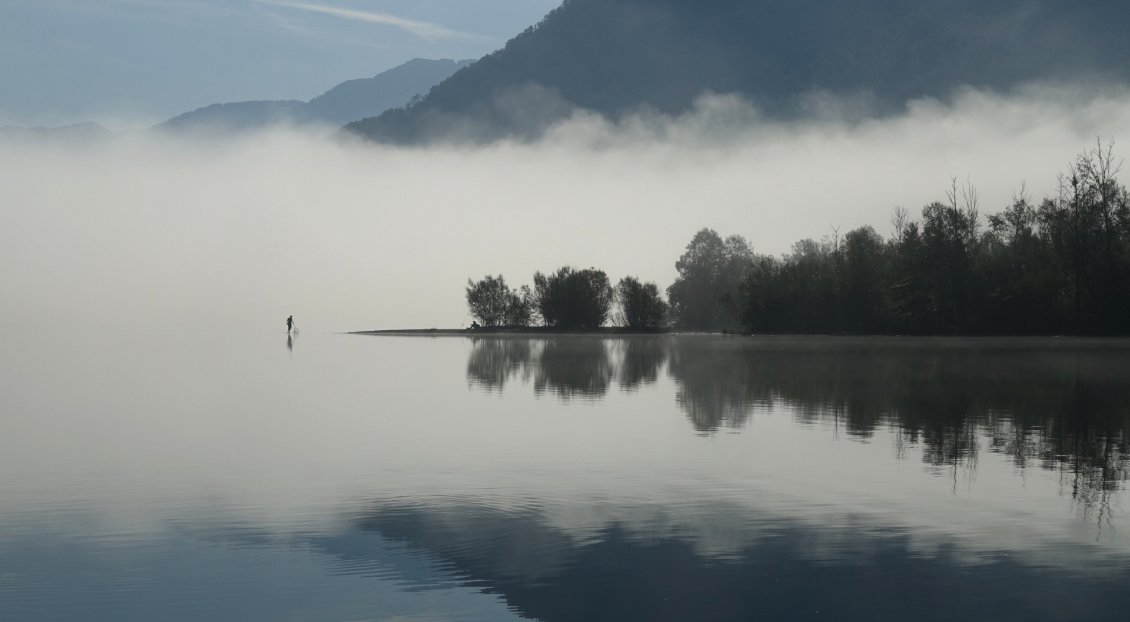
(230, 476)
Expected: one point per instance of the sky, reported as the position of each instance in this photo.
(132, 63)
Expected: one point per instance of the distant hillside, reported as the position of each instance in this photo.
(86, 132)
(239, 116)
(615, 56)
(357, 99)
(348, 101)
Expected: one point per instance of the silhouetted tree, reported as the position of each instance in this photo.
(703, 296)
(808, 288)
(948, 234)
(520, 307)
(572, 298)
(641, 306)
(760, 307)
(1099, 212)
(910, 297)
(494, 304)
(487, 300)
(864, 281)
(1024, 293)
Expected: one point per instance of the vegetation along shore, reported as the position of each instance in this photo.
(1056, 266)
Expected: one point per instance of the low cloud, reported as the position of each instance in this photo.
(148, 230)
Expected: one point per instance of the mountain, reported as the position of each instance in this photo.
(358, 99)
(78, 133)
(618, 56)
(239, 116)
(348, 101)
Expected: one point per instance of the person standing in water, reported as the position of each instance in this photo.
(289, 323)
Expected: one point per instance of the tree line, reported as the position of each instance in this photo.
(567, 299)
(1057, 266)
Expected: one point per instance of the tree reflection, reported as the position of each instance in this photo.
(1058, 405)
(566, 366)
(639, 360)
(716, 384)
(574, 367)
(1061, 406)
(494, 361)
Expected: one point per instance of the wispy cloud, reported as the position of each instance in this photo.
(424, 30)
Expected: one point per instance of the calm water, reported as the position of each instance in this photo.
(236, 477)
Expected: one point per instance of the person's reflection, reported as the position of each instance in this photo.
(290, 343)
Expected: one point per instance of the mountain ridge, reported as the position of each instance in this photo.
(348, 101)
(614, 57)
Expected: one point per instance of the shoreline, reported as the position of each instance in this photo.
(958, 341)
(520, 332)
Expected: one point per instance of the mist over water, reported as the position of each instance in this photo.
(152, 232)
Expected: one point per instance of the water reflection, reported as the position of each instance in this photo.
(620, 572)
(664, 477)
(580, 367)
(1064, 407)
(494, 361)
(638, 360)
(1060, 405)
(568, 367)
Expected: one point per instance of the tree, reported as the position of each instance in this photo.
(641, 306)
(494, 304)
(911, 304)
(759, 306)
(520, 307)
(488, 300)
(1085, 228)
(572, 298)
(863, 280)
(948, 236)
(704, 295)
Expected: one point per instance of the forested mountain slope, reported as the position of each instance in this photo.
(616, 56)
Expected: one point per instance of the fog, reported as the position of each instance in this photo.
(152, 232)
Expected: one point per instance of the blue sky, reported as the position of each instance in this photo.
(133, 62)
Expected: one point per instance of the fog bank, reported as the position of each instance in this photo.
(148, 232)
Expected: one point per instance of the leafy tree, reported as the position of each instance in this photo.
(488, 300)
(1023, 293)
(1061, 267)
(809, 287)
(864, 281)
(520, 307)
(572, 298)
(1100, 211)
(494, 304)
(710, 271)
(759, 307)
(641, 306)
